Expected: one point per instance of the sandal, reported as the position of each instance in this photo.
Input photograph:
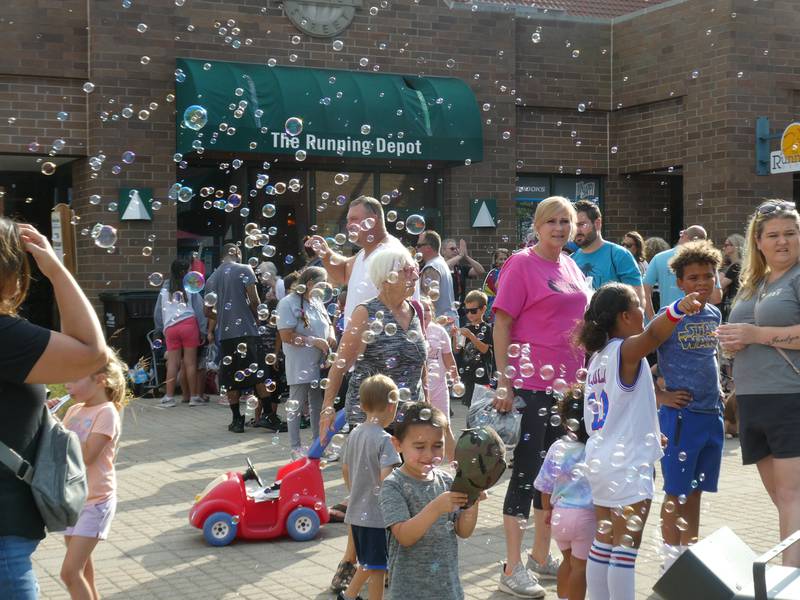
(344, 573)
(337, 513)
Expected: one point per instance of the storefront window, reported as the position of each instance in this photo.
(332, 194)
(532, 189)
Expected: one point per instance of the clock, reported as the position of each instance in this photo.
(321, 18)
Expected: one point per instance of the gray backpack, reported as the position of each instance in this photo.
(57, 477)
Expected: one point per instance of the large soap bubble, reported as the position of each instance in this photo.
(195, 117)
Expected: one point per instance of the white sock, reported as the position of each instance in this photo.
(597, 571)
(682, 549)
(622, 573)
(671, 554)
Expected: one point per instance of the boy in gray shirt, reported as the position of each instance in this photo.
(368, 458)
(421, 512)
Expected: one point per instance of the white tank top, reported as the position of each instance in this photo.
(360, 287)
(621, 420)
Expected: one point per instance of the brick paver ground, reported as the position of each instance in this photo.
(168, 456)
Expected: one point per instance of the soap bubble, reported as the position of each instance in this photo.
(185, 194)
(234, 200)
(155, 279)
(365, 129)
(210, 299)
(415, 224)
(194, 282)
(459, 389)
(105, 236)
(195, 117)
(48, 168)
(547, 372)
(88, 87)
(293, 126)
(338, 45)
(62, 116)
(128, 157)
(581, 107)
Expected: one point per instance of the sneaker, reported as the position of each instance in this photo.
(548, 570)
(237, 426)
(521, 583)
(305, 422)
(167, 402)
(341, 579)
(196, 402)
(274, 423)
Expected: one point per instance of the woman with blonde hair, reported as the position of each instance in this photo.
(31, 356)
(542, 295)
(764, 335)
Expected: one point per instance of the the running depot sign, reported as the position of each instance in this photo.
(379, 147)
(787, 159)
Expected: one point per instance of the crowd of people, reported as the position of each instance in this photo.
(617, 357)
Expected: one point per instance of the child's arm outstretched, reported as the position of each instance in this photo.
(411, 531)
(636, 347)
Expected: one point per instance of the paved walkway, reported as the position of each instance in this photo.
(168, 456)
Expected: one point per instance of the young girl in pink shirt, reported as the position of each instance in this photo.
(95, 418)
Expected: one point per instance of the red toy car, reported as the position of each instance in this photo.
(240, 505)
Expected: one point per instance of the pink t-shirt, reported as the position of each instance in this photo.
(438, 347)
(546, 300)
(104, 419)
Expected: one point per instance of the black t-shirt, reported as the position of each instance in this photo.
(478, 366)
(21, 345)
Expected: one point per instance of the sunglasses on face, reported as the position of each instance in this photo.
(771, 206)
(627, 245)
(473, 311)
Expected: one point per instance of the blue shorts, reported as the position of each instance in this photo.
(371, 547)
(693, 454)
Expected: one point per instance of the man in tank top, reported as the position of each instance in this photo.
(435, 279)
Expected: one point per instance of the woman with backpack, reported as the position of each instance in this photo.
(31, 356)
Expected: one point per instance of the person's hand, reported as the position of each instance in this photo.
(466, 333)
(210, 337)
(736, 336)
(689, 304)
(326, 418)
(318, 244)
(505, 404)
(462, 248)
(321, 344)
(448, 502)
(674, 399)
(39, 247)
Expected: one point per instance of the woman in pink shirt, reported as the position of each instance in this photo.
(95, 418)
(541, 297)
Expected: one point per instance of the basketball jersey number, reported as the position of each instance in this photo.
(600, 416)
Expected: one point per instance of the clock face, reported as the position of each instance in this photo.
(320, 19)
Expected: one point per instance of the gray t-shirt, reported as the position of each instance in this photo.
(234, 317)
(369, 449)
(429, 567)
(303, 363)
(760, 369)
(444, 303)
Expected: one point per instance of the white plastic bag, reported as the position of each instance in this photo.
(481, 412)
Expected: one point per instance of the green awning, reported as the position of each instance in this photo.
(344, 113)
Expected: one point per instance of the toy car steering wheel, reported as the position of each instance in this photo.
(251, 473)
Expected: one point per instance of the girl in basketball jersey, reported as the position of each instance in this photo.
(622, 423)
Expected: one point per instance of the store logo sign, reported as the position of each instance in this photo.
(316, 144)
(787, 159)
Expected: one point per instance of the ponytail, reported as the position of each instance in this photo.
(601, 315)
(116, 387)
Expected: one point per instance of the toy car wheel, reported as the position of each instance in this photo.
(302, 524)
(219, 529)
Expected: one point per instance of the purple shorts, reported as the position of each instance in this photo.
(95, 520)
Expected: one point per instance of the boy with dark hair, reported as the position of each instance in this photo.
(476, 362)
(368, 458)
(690, 412)
(421, 512)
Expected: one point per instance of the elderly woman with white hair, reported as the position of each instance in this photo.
(384, 336)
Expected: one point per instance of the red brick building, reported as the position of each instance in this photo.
(650, 107)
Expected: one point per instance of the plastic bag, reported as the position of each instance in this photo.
(211, 358)
(481, 412)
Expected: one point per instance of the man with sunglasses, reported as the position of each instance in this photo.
(462, 267)
(659, 274)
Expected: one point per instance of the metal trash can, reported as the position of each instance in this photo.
(127, 317)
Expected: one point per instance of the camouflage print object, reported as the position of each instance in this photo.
(480, 454)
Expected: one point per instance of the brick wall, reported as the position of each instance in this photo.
(634, 76)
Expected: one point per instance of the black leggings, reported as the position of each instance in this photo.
(536, 436)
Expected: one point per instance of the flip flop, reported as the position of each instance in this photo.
(337, 513)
